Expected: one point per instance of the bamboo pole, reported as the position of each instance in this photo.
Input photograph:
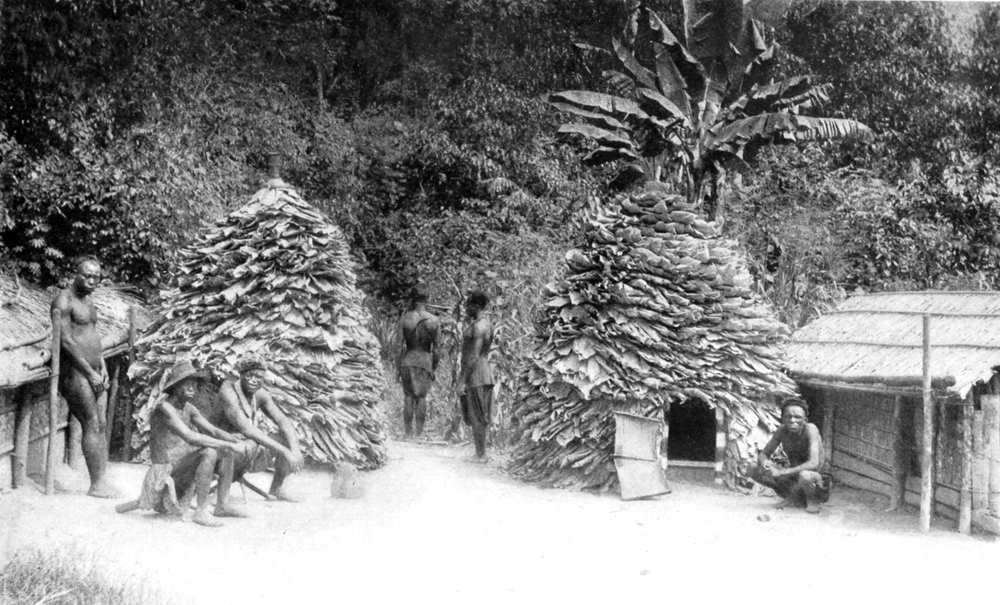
(127, 426)
(112, 400)
(22, 435)
(927, 447)
(897, 495)
(720, 443)
(50, 459)
(965, 497)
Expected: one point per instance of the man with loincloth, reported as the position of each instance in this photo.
(417, 361)
(185, 452)
(241, 406)
(800, 483)
(83, 375)
(476, 378)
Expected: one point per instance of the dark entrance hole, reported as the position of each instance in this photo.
(692, 432)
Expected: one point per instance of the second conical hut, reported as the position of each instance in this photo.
(654, 316)
(275, 279)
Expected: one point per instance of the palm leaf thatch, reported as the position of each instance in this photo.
(655, 309)
(276, 279)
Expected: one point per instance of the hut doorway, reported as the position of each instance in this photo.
(692, 433)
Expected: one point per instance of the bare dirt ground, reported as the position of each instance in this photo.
(435, 527)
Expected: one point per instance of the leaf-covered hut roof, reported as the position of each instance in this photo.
(655, 309)
(275, 279)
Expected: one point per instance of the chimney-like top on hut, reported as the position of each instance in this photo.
(274, 171)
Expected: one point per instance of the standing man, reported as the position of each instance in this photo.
(185, 453)
(476, 378)
(83, 376)
(241, 407)
(417, 361)
(800, 483)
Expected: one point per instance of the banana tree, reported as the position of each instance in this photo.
(688, 113)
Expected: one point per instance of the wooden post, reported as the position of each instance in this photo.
(50, 459)
(127, 420)
(22, 435)
(899, 463)
(927, 447)
(991, 431)
(720, 444)
(109, 421)
(827, 432)
(980, 465)
(965, 497)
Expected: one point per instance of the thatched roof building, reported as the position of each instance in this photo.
(861, 369)
(875, 341)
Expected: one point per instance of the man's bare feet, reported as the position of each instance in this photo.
(812, 507)
(784, 503)
(230, 510)
(103, 490)
(283, 495)
(203, 518)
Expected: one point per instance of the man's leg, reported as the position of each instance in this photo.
(420, 406)
(281, 472)
(781, 486)
(408, 406)
(82, 404)
(811, 487)
(207, 459)
(225, 469)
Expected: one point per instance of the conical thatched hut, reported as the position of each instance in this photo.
(276, 279)
(654, 316)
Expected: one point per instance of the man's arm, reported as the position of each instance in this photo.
(812, 464)
(231, 408)
(285, 426)
(69, 344)
(432, 328)
(177, 425)
(202, 424)
(764, 457)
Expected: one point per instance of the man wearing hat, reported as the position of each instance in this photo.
(185, 451)
(243, 405)
(417, 361)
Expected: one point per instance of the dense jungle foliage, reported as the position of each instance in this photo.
(421, 127)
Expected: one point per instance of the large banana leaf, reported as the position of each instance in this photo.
(617, 107)
(689, 67)
(604, 137)
(670, 80)
(659, 106)
(780, 127)
(791, 92)
(632, 65)
(598, 119)
(603, 155)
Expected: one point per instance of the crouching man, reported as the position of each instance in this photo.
(240, 408)
(186, 451)
(800, 483)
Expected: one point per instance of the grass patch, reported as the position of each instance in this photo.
(68, 577)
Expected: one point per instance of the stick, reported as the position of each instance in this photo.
(927, 457)
(827, 432)
(22, 435)
(898, 494)
(109, 422)
(720, 443)
(50, 460)
(991, 428)
(127, 436)
(965, 497)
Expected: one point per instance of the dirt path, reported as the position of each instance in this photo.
(437, 528)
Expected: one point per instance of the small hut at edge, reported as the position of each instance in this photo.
(861, 369)
(275, 279)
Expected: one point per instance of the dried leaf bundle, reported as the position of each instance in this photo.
(655, 310)
(276, 279)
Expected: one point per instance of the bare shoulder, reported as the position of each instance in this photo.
(61, 300)
(812, 430)
(484, 325)
(227, 393)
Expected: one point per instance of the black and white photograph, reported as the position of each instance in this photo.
(499, 301)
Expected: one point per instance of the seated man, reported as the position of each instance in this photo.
(183, 457)
(240, 408)
(801, 483)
